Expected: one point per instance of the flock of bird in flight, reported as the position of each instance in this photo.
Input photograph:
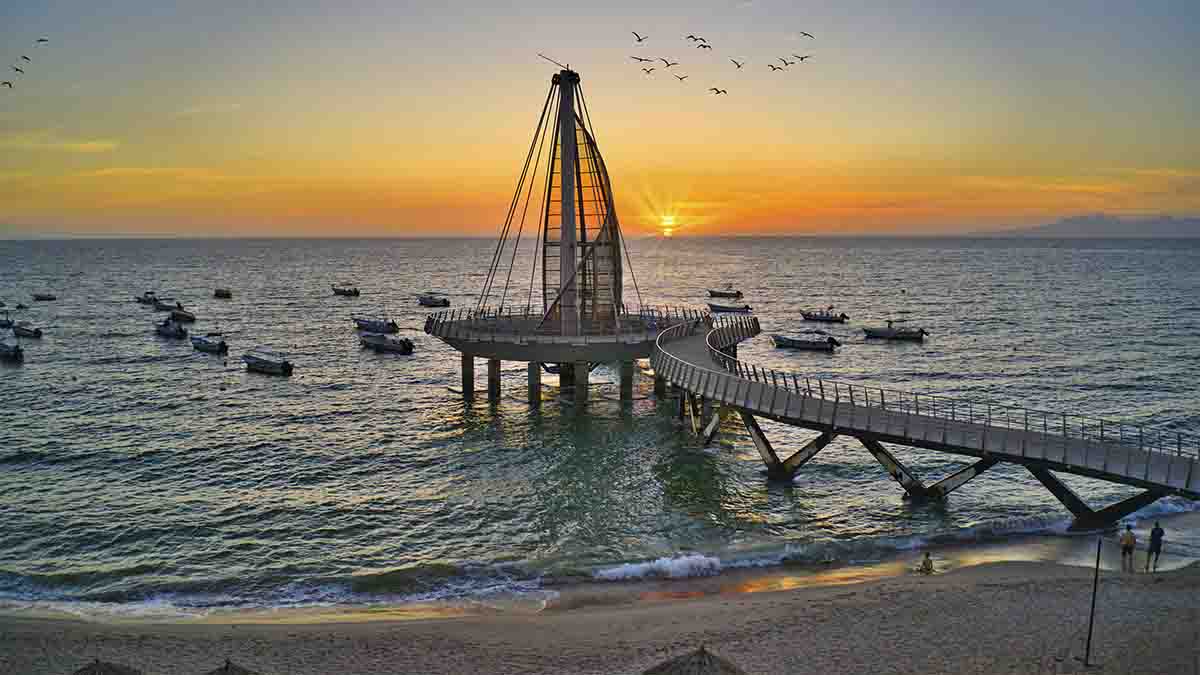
(23, 60)
(702, 43)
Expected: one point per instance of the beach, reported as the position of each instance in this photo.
(1015, 617)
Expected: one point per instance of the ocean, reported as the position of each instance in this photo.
(139, 477)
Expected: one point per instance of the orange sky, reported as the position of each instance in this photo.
(380, 121)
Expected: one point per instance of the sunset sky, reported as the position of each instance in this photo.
(396, 118)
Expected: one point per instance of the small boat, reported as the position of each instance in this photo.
(147, 298)
(26, 330)
(816, 343)
(166, 304)
(432, 300)
(171, 329)
(727, 292)
(383, 343)
(211, 343)
(266, 361)
(223, 293)
(183, 316)
(44, 297)
(893, 333)
(376, 325)
(729, 309)
(6, 322)
(22, 306)
(348, 291)
(11, 352)
(824, 315)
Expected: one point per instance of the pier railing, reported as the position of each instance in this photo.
(519, 324)
(731, 330)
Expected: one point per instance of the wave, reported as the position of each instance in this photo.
(682, 567)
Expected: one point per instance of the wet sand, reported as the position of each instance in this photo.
(1011, 617)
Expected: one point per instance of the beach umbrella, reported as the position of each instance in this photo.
(99, 667)
(231, 668)
(699, 662)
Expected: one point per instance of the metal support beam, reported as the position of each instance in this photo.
(660, 385)
(535, 384)
(468, 377)
(792, 464)
(1085, 517)
(694, 409)
(961, 477)
(581, 381)
(787, 468)
(566, 376)
(714, 423)
(493, 380)
(627, 374)
(907, 479)
(760, 441)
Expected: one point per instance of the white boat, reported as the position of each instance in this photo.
(147, 298)
(727, 292)
(818, 342)
(44, 297)
(824, 315)
(210, 343)
(376, 325)
(432, 300)
(262, 360)
(348, 291)
(182, 316)
(890, 332)
(383, 343)
(26, 330)
(166, 304)
(171, 329)
(729, 309)
(223, 293)
(11, 352)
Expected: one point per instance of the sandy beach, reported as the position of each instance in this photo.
(993, 618)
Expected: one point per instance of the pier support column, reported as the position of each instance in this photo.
(907, 479)
(566, 376)
(784, 469)
(1085, 517)
(960, 478)
(706, 409)
(580, 370)
(535, 384)
(627, 380)
(468, 377)
(660, 385)
(494, 380)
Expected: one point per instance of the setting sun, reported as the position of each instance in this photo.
(667, 225)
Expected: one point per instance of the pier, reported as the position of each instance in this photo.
(698, 356)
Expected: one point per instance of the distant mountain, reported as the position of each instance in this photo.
(1102, 225)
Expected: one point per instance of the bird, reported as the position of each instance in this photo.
(802, 58)
(772, 66)
(639, 37)
(693, 38)
(18, 70)
(808, 35)
(647, 70)
(641, 60)
(681, 78)
(6, 84)
(739, 65)
(701, 39)
(787, 63)
(42, 40)
(717, 92)
(703, 46)
(668, 64)
(27, 59)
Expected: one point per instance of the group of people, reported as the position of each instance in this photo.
(1129, 545)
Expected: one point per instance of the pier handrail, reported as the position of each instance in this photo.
(521, 323)
(729, 331)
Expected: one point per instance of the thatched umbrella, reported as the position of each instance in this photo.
(699, 662)
(231, 668)
(99, 667)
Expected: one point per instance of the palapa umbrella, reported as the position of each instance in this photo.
(699, 662)
(99, 667)
(231, 668)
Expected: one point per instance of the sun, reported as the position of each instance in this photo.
(667, 225)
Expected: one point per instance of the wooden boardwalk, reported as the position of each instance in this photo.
(695, 356)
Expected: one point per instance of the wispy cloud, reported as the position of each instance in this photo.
(48, 140)
(209, 109)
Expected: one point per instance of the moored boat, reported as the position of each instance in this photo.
(729, 309)
(383, 343)
(170, 328)
(166, 304)
(11, 352)
(27, 330)
(727, 292)
(375, 325)
(262, 360)
(7, 321)
(890, 332)
(211, 343)
(147, 298)
(348, 291)
(182, 316)
(22, 306)
(824, 315)
(44, 297)
(432, 300)
(818, 342)
(223, 293)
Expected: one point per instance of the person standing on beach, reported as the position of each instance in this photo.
(1156, 539)
(1128, 543)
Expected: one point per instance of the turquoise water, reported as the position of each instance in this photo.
(140, 476)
